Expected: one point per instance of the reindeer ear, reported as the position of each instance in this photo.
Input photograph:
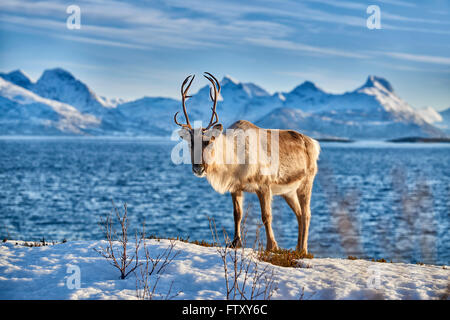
(214, 132)
(184, 134)
(218, 127)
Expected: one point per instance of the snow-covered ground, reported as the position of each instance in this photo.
(50, 272)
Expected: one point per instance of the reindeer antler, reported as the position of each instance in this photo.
(214, 98)
(184, 96)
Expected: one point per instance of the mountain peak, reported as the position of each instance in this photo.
(250, 89)
(58, 73)
(18, 77)
(307, 86)
(59, 84)
(20, 73)
(228, 79)
(377, 82)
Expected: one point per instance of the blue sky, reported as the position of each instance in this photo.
(131, 49)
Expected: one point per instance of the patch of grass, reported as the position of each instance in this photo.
(284, 257)
(352, 258)
(278, 257)
(202, 243)
(34, 244)
(379, 260)
(41, 243)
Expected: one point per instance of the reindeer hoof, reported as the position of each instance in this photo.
(236, 243)
(271, 246)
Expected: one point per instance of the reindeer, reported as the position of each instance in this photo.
(287, 170)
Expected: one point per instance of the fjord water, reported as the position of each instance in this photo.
(370, 199)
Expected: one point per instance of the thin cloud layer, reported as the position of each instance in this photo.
(284, 36)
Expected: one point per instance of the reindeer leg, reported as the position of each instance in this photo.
(304, 198)
(265, 199)
(292, 201)
(238, 199)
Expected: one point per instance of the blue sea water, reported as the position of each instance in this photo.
(370, 199)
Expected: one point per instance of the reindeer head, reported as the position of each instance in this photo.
(200, 140)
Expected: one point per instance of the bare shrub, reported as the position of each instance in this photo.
(117, 254)
(247, 278)
(154, 266)
(116, 251)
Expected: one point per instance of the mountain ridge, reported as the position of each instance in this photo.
(372, 110)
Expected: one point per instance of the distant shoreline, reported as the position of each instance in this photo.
(86, 137)
(169, 139)
(335, 140)
(420, 140)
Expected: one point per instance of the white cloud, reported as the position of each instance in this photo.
(296, 46)
(419, 58)
(123, 24)
(399, 3)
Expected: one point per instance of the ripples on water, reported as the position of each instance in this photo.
(369, 200)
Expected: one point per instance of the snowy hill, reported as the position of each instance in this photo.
(372, 111)
(197, 273)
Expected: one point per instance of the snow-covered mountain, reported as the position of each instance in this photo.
(440, 119)
(149, 116)
(237, 101)
(323, 126)
(445, 123)
(18, 77)
(308, 97)
(60, 85)
(372, 111)
(430, 115)
(24, 112)
(375, 100)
